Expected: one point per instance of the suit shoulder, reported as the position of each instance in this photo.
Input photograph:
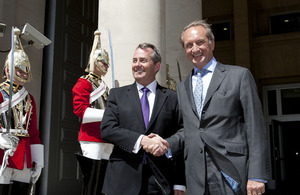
(235, 69)
(120, 89)
(184, 81)
(171, 92)
(167, 90)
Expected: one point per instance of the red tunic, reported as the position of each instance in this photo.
(81, 96)
(17, 160)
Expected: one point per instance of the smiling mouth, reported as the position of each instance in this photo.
(197, 55)
(139, 70)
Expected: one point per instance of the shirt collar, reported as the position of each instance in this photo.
(210, 66)
(151, 86)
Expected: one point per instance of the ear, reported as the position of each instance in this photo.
(212, 45)
(6, 69)
(157, 66)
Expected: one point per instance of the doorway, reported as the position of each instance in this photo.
(282, 114)
(285, 147)
(70, 25)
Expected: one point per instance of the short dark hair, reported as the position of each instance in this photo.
(209, 34)
(155, 56)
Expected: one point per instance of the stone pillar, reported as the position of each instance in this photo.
(241, 32)
(179, 14)
(130, 22)
(159, 22)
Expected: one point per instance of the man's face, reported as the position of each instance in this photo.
(101, 71)
(20, 73)
(143, 67)
(197, 47)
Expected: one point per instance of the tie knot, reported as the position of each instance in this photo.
(145, 90)
(201, 72)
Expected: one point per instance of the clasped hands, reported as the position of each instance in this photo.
(154, 144)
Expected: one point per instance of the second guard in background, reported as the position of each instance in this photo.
(89, 102)
(21, 166)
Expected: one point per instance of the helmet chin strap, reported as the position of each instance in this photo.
(16, 77)
(102, 69)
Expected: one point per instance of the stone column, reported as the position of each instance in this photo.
(130, 22)
(159, 22)
(179, 14)
(241, 28)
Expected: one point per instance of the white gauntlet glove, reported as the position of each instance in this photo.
(92, 115)
(9, 142)
(37, 156)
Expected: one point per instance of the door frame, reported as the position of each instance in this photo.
(70, 26)
(279, 117)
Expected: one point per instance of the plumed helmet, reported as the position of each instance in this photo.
(21, 59)
(97, 54)
(101, 55)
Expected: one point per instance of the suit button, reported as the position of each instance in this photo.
(201, 151)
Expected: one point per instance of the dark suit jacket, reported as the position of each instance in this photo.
(231, 124)
(122, 124)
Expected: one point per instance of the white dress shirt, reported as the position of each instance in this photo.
(151, 97)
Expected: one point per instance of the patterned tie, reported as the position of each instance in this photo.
(198, 91)
(145, 105)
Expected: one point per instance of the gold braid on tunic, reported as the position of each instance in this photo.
(95, 81)
(20, 112)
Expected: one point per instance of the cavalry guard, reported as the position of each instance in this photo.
(89, 102)
(21, 153)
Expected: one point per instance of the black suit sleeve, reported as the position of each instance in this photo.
(111, 129)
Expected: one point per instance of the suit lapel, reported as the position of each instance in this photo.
(134, 101)
(216, 80)
(189, 91)
(160, 99)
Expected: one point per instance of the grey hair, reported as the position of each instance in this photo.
(209, 34)
(155, 56)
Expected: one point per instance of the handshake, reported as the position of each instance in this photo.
(155, 145)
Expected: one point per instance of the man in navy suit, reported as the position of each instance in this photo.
(127, 124)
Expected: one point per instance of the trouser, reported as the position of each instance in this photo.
(15, 181)
(93, 172)
(149, 186)
(216, 184)
(5, 189)
(16, 188)
(11, 174)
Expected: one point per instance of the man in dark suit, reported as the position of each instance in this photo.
(126, 124)
(224, 136)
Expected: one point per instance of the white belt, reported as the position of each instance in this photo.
(16, 132)
(97, 92)
(16, 98)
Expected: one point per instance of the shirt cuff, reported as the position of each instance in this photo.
(137, 145)
(260, 180)
(179, 187)
(169, 153)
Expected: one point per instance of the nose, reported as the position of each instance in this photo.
(137, 63)
(195, 47)
(25, 75)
